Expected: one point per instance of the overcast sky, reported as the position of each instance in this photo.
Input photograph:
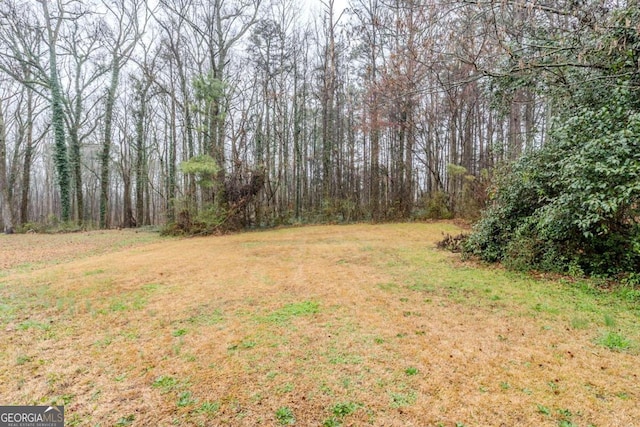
(316, 5)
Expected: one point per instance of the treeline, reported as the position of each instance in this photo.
(234, 113)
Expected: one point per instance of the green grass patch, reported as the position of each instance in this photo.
(185, 399)
(614, 341)
(400, 400)
(245, 344)
(248, 344)
(127, 420)
(578, 303)
(628, 293)
(338, 357)
(285, 388)
(285, 416)
(343, 409)
(289, 311)
(6, 310)
(580, 323)
(332, 422)
(134, 301)
(609, 321)
(422, 287)
(208, 408)
(543, 410)
(33, 324)
(150, 287)
(165, 383)
(118, 306)
(22, 360)
(179, 333)
(411, 371)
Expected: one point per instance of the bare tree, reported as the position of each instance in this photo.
(53, 24)
(80, 45)
(142, 87)
(369, 15)
(5, 206)
(121, 41)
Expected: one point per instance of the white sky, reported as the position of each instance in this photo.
(315, 6)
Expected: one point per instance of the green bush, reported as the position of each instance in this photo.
(572, 205)
(31, 227)
(436, 206)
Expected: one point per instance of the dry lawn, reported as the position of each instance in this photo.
(318, 326)
(29, 251)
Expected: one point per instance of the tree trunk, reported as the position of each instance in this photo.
(57, 117)
(26, 168)
(5, 202)
(328, 105)
(105, 155)
(75, 155)
(171, 167)
(141, 173)
(128, 221)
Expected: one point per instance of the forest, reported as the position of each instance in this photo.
(225, 114)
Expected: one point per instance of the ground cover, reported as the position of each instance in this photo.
(312, 326)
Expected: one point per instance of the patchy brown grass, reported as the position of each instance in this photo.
(343, 325)
(29, 251)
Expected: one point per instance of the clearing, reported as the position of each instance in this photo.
(315, 326)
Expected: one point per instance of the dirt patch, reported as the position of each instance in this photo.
(318, 326)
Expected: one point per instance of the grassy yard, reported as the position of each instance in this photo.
(316, 326)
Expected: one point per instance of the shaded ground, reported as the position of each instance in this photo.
(317, 326)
